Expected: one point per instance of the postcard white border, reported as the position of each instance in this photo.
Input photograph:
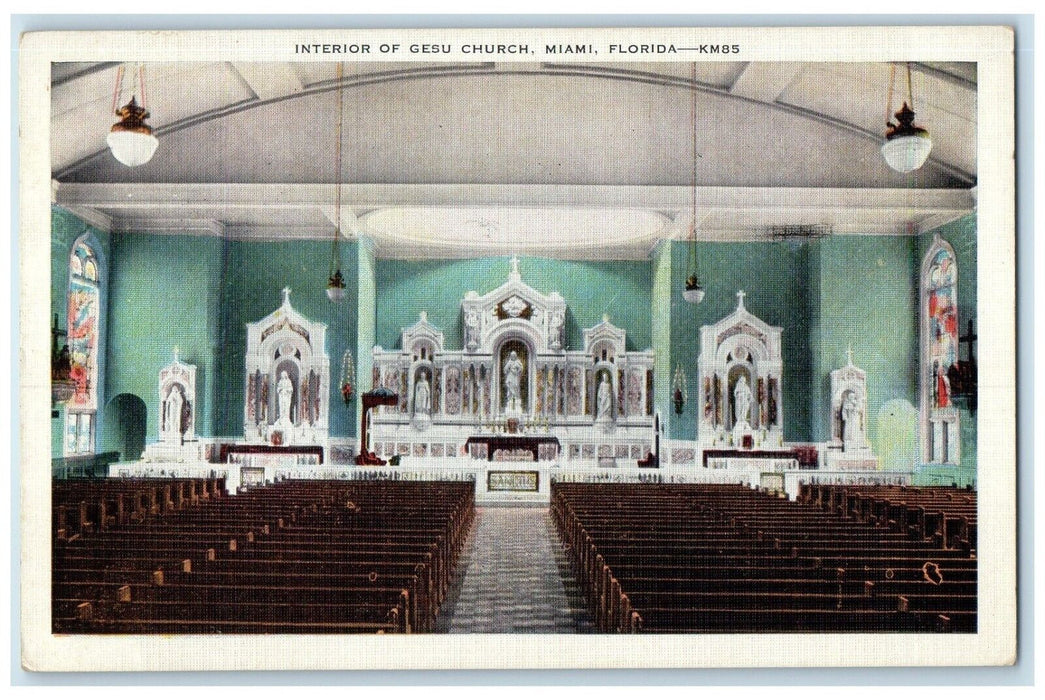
(990, 47)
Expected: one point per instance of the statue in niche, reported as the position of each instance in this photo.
(634, 394)
(172, 419)
(422, 395)
(471, 328)
(573, 402)
(852, 432)
(603, 399)
(555, 331)
(741, 401)
(513, 368)
(284, 397)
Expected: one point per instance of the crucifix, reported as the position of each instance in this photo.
(740, 298)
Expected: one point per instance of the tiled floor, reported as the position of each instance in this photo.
(513, 577)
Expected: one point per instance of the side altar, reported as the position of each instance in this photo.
(740, 372)
(287, 380)
(512, 374)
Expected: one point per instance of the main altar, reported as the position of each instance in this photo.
(510, 374)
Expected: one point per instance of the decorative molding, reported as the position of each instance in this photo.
(91, 217)
(726, 213)
(185, 227)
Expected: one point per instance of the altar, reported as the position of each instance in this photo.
(740, 373)
(511, 379)
(509, 448)
(765, 460)
(270, 455)
(287, 380)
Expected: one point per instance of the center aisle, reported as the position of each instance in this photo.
(516, 578)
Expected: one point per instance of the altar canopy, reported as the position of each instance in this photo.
(287, 379)
(740, 369)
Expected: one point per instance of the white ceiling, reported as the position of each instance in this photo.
(571, 160)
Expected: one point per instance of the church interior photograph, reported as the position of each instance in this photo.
(527, 347)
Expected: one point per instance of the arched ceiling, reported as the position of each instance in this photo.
(461, 159)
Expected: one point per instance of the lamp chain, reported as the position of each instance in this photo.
(910, 91)
(141, 82)
(335, 258)
(693, 202)
(889, 98)
(117, 89)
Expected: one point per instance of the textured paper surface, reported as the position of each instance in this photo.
(990, 47)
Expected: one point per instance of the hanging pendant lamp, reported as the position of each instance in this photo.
(336, 281)
(693, 292)
(130, 139)
(907, 145)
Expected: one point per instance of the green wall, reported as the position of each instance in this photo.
(165, 292)
(591, 289)
(65, 229)
(866, 296)
(256, 274)
(774, 278)
(199, 292)
(961, 234)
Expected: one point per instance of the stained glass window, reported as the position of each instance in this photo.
(939, 352)
(84, 311)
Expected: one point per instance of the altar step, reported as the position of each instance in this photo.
(514, 578)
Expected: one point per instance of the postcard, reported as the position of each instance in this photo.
(545, 348)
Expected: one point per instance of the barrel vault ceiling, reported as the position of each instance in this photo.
(580, 160)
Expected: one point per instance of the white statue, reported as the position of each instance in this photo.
(284, 396)
(851, 432)
(471, 328)
(513, 368)
(603, 399)
(172, 411)
(555, 331)
(741, 400)
(422, 395)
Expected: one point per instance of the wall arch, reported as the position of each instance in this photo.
(123, 426)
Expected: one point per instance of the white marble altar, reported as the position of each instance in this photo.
(514, 374)
(849, 448)
(287, 379)
(740, 369)
(177, 414)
